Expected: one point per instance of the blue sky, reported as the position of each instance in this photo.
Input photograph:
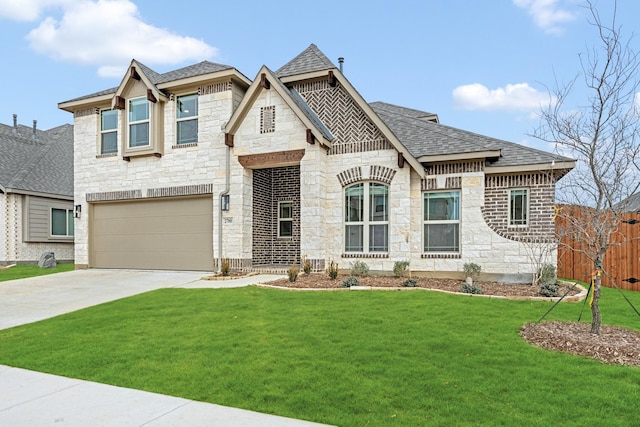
(482, 66)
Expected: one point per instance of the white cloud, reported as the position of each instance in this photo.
(547, 14)
(104, 33)
(27, 10)
(513, 97)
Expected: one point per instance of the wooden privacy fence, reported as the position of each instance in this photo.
(622, 260)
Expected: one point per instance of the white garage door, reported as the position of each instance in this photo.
(163, 234)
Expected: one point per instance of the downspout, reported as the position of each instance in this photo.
(220, 197)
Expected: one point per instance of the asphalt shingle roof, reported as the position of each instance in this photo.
(311, 59)
(630, 204)
(204, 67)
(42, 165)
(427, 138)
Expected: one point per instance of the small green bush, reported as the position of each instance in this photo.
(549, 289)
(410, 283)
(547, 275)
(350, 281)
(470, 288)
(332, 271)
(225, 267)
(359, 268)
(293, 272)
(472, 270)
(400, 268)
(306, 265)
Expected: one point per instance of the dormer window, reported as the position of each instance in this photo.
(139, 129)
(187, 119)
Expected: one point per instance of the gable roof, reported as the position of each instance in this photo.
(154, 78)
(430, 141)
(309, 60)
(40, 166)
(293, 100)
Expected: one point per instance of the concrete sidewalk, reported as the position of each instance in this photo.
(31, 398)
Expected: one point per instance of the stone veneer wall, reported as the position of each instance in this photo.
(541, 227)
(180, 168)
(271, 186)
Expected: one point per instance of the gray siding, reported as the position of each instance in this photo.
(37, 217)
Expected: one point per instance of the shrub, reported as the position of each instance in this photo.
(293, 272)
(400, 268)
(359, 268)
(549, 289)
(470, 288)
(410, 283)
(306, 265)
(332, 271)
(225, 267)
(472, 270)
(547, 275)
(350, 281)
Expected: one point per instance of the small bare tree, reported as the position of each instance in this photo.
(602, 135)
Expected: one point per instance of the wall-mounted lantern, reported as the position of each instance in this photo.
(77, 211)
(225, 203)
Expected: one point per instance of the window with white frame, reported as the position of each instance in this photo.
(285, 219)
(518, 207)
(61, 222)
(442, 221)
(139, 123)
(108, 131)
(187, 119)
(366, 218)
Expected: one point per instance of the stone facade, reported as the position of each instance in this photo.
(272, 159)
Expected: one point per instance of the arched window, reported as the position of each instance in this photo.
(366, 218)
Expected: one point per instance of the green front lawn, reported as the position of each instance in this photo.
(345, 358)
(30, 270)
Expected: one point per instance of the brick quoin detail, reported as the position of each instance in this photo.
(541, 227)
(271, 186)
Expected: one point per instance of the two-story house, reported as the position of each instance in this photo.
(182, 169)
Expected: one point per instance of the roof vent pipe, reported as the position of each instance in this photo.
(35, 122)
(341, 61)
(15, 123)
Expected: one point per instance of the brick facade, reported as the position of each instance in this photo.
(271, 186)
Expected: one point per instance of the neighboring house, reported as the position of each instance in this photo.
(630, 204)
(36, 193)
(182, 169)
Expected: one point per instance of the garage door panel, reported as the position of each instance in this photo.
(174, 234)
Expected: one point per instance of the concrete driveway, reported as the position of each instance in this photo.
(37, 298)
(38, 399)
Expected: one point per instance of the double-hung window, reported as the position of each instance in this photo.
(108, 131)
(139, 129)
(61, 222)
(366, 218)
(442, 221)
(187, 119)
(285, 219)
(518, 207)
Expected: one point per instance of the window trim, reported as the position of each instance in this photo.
(138, 122)
(285, 219)
(449, 221)
(186, 119)
(366, 216)
(104, 132)
(512, 221)
(69, 219)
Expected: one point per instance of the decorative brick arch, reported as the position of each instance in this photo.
(376, 173)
